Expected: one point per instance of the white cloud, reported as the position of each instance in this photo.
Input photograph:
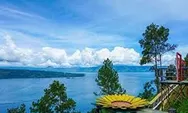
(169, 58)
(55, 55)
(183, 50)
(48, 56)
(10, 53)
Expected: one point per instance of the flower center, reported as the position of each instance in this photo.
(120, 104)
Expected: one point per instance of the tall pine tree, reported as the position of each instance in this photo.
(108, 80)
(154, 45)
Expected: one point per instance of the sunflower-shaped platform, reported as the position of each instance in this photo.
(123, 101)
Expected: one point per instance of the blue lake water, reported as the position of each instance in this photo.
(13, 92)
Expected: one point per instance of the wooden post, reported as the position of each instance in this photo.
(179, 66)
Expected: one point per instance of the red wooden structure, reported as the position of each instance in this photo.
(168, 86)
(180, 64)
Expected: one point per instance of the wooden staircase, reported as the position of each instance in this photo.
(161, 97)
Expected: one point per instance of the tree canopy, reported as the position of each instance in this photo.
(148, 92)
(186, 60)
(171, 72)
(55, 100)
(108, 79)
(155, 43)
(20, 109)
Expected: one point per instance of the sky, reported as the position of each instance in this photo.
(61, 33)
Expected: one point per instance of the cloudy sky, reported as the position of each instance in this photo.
(85, 32)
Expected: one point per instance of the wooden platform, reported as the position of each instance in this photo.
(185, 82)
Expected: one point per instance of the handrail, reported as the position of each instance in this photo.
(162, 96)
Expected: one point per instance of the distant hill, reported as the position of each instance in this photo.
(32, 72)
(119, 68)
(25, 73)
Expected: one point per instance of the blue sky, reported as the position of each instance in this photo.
(78, 28)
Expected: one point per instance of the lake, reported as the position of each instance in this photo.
(13, 92)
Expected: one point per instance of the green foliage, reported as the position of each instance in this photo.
(20, 109)
(154, 43)
(181, 106)
(55, 100)
(148, 92)
(107, 111)
(186, 64)
(94, 110)
(102, 110)
(108, 80)
(171, 72)
(186, 60)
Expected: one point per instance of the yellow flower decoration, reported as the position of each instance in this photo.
(123, 101)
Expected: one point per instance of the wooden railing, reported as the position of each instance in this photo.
(161, 97)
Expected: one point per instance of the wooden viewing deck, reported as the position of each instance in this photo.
(171, 84)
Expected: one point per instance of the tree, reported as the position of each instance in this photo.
(154, 45)
(55, 100)
(186, 60)
(108, 80)
(94, 110)
(102, 110)
(181, 106)
(171, 72)
(148, 92)
(186, 64)
(20, 109)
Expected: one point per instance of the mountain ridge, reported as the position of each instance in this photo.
(118, 68)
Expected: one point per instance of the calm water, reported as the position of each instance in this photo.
(13, 92)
